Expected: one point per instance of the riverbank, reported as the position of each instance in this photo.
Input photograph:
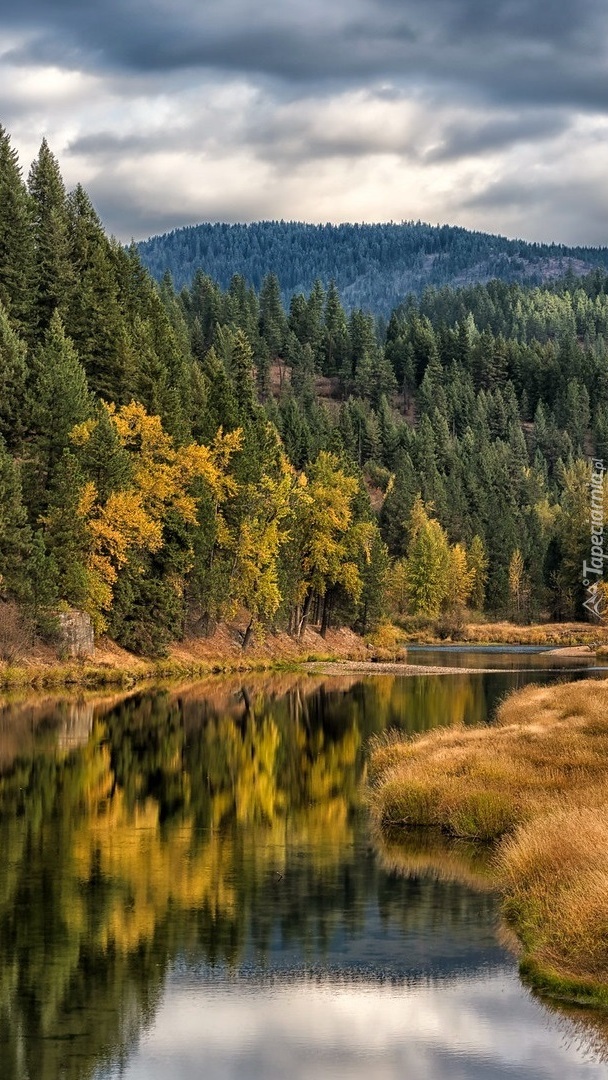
(536, 782)
(341, 649)
(194, 658)
(554, 634)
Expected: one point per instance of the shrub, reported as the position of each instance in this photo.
(451, 624)
(16, 633)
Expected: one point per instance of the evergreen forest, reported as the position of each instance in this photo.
(172, 457)
(374, 266)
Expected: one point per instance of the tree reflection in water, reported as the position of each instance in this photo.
(219, 826)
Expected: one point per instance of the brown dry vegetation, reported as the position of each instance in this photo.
(195, 657)
(508, 633)
(423, 630)
(537, 781)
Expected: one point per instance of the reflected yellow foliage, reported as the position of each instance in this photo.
(265, 783)
(150, 869)
(201, 825)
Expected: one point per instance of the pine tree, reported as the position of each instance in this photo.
(384, 384)
(15, 534)
(103, 457)
(15, 405)
(16, 239)
(273, 324)
(93, 317)
(65, 533)
(335, 334)
(295, 432)
(61, 394)
(243, 377)
(313, 322)
(431, 394)
(221, 404)
(204, 307)
(54, 276)
(397, 506)
(374, 575)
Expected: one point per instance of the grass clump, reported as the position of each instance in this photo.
(537, 783)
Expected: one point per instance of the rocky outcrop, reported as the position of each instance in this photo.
(76, 634)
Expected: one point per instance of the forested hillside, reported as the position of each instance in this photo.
(167, 459)
(374, 266)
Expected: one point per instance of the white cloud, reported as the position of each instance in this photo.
(159, 149)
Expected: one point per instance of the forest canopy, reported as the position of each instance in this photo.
(170, 458)
(374, 266)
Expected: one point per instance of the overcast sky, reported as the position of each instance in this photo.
(491, 114)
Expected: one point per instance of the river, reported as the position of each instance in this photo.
(189, 889)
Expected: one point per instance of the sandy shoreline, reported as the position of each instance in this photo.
(398, 667)
(388, 668)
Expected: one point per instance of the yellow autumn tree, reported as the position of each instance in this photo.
(477, 562)
(518, 585)
(396, 589)
(461, 578)
(328, 543)
(428, 562)
(163, 479)
(257, 544)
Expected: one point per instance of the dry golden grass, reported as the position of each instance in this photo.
(508, 633)
(418, 629)
(554, 872)
(193, 658)
(539, 779)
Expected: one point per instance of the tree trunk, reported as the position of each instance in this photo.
(305, 613)
(247, 634)
(326, 614)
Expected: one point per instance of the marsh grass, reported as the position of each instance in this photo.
(537, 781)
(482, 631)
(15, 676)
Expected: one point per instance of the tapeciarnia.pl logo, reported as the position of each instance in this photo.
(593, 571)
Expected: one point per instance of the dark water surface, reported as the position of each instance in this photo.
(188, 889)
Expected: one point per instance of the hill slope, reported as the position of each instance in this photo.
(374, 266)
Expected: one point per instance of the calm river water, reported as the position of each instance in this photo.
(189, 889)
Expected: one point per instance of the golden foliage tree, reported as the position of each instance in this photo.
(327, 541)
(163, 480)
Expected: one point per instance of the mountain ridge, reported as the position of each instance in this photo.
(375, 266)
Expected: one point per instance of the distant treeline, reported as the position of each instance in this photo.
(373, 266)
(168, 459)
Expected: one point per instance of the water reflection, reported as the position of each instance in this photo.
(182, 870)
(468, 1028)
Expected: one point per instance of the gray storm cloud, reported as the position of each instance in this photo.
(384, 109)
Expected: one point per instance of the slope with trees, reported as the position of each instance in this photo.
(374, 266)
(168, 459)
